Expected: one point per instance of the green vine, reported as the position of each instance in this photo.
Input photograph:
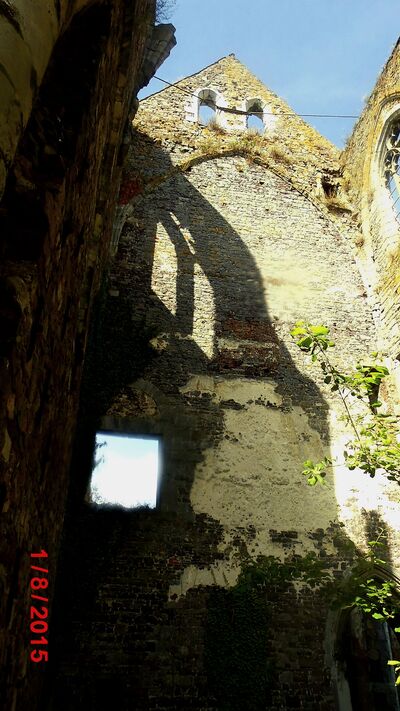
(375, 597)
(236, 652)
(375, 447)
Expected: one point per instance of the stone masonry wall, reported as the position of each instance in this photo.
(228, 238)
(378, 247)
(29, 32)
(55, 227)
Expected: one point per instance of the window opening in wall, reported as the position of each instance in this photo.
(126, 470)
(367, 644)
(207, 106)
(392, 166)
(330, 189)
(206, 113)
(255, 117)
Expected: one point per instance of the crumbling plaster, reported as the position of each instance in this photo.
(252, 474)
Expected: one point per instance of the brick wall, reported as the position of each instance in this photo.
(227, 239)
(56, 218)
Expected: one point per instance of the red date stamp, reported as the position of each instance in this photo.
(39, 612)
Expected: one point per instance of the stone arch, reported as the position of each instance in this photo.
(257, 105)
(376, 206)
(254, 107)
(208, 97)
(386, 169)
(357, 650)
(380, 228)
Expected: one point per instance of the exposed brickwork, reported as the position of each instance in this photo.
(225, 244)
(56, 219)
(142, 648)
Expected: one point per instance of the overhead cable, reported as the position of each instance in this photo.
(290, 114)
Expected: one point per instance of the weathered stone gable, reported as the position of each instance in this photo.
(169, 115)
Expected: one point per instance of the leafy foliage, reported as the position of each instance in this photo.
(363, 590)
(316, 473)
(265, 571)
(237, 636)
(374, 448)
(396, 664)
(375, 597)
(376, 445)
(236, 655)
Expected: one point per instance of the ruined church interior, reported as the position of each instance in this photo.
(200, 380)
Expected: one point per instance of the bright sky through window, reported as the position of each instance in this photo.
(255, 122)
(126, 472)
(206, 114)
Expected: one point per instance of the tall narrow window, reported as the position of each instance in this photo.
(126, 470)
(207, 106)
(363, 651)
(391, 165)
(255, 115)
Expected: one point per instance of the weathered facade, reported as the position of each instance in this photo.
(225, 237)
(363, 162)
(68, 81)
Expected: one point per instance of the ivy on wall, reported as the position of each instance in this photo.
(238, 658)
(374, 448)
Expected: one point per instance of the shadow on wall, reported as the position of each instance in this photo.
(153, 336)
(363, 645)
(161, 328)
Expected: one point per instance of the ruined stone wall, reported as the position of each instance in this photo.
(29, 32)
(378, 247)
(226, 243)
(55, 227)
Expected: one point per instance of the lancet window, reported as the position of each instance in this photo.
(391, 165)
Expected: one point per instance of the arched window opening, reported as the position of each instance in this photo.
(255, 116)
(207, 108)
(206, 114)
(364, 648)
(391, 165)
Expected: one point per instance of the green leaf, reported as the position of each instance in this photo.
(319, 330)
(392, 662)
